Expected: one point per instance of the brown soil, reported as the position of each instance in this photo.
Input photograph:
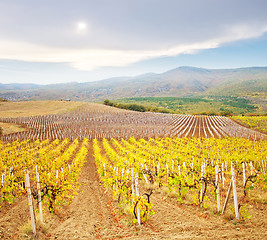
(91, 215)
(94, 215)
(12, 217)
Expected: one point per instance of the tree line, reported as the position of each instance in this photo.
(136, 107)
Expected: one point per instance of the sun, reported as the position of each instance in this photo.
(81, 26)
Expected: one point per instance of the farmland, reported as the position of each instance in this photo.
(255, 122)
(208, 105)
(99, 166)
(35, 108)
(98, 121)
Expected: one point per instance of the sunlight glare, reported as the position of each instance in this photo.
(81, 26)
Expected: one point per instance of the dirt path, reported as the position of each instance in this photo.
(91, 213)
(12, 217)
(175, 221)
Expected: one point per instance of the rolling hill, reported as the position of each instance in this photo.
(179, 82)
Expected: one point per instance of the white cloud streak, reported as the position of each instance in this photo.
(89, 59)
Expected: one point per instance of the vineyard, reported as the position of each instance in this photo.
(195, 171)
(98, 121)
(56, 161)
(255, 122)
(93, 172)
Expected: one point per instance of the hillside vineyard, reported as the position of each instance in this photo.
(102, 164)
(95, 121)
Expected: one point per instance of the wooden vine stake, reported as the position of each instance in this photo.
(137, 194)
(202, 191)
(227, 197)
(104, 168)
(144, 174)
(39, 197)
(132, 174)
(234, 191)
(167, 168)
(263, 166)
(251, 168)
(28, 186)
(244, 173)
(145, 178)
(217, 188)
(3, 179)
(223, 178)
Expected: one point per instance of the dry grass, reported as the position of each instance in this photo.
(32, 108)
(41, 228)
(35, 108)
(26, 228)
(10, 128)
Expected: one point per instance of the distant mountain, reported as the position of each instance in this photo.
(16, 86)
(179, 82)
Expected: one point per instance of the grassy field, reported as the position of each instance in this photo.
(35, 108)
(218, 105)
(10, 128)
(32, 108)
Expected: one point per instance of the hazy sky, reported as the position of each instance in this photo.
(85, 40)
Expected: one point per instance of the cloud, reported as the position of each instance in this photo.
(88, 59)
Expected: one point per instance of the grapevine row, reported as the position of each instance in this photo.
(196, 171)
(57, 163)
(99, 121)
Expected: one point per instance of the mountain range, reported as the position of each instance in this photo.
(179, 82)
